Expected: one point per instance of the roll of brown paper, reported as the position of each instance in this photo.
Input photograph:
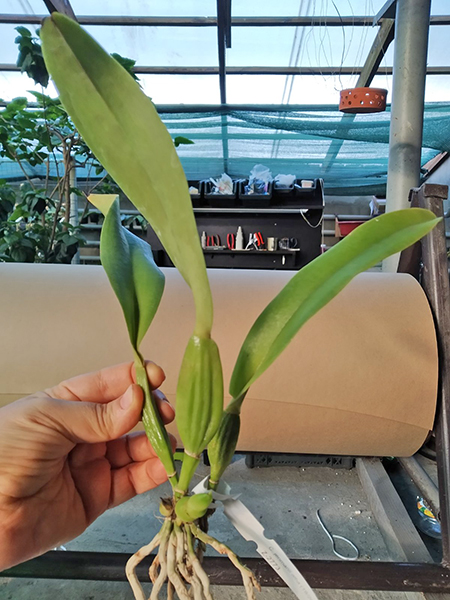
(360, 378)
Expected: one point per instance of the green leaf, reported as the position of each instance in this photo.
(27, 243)
(127, 63)
(24, 32)
(68, 239)
(30, 58)
(136, 280)
(121, 126)
(18, 212)
(138, 284)
(181, 140)
(320, 281)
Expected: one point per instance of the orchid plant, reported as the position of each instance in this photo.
(122, 128)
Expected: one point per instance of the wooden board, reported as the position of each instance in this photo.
(399, 533)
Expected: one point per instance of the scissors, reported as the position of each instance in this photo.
(231, 241)
(212, 240)
(255, 241)
(252, 242)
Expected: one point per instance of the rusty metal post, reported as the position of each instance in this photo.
(435, 282)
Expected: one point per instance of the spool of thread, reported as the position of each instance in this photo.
(272, 244)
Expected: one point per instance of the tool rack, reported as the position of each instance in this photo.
(295, 212)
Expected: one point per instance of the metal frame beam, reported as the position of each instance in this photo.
(141, 70)
(320, 574)
(62, 6)
(132, 21)
(222, 20)
(223, 42)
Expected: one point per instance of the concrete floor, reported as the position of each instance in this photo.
(285, 499)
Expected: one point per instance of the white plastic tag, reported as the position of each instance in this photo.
(252, 530)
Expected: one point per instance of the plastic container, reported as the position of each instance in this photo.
(219, 200)
(363, 100)
(283, 192)
(254, 200)
(343, 228)
(428, 523)
(309, 195)
(197, 199)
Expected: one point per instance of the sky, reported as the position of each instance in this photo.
(274, 46)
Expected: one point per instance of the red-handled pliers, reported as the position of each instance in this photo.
(259, 239)
(231, 243)
(212, 240)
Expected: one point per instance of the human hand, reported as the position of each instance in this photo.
(63, 461)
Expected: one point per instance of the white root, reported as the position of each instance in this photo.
(186, 569)
(179, 544)
(248, 577)
(184, 572)
(133, 562)
(153, 570)
(170, 590)
(177, 563)
(197, 567)
(181, 556)
(172, 570)
(202, 576)
(197, 587)
(161, 579)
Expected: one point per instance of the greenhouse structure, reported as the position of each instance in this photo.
(225, 299)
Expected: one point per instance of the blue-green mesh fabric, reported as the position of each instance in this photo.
(349, 152)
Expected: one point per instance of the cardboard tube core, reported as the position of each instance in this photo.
(360, 378)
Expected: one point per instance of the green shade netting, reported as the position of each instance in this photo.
(350, 152)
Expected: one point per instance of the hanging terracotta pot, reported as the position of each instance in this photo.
(363, 100)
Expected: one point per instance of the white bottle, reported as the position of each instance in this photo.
(239, 239)
(203, 240)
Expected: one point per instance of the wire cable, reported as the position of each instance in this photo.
(333, 539)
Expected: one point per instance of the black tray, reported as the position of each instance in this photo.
(254, 200)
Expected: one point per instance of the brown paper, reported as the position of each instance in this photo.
(359, 379)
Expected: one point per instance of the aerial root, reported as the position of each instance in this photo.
(154, 569)
(197, 568)
(133, 562)
(170, 591)
(172, 571)
(248, 577)
(161, 558)
(177, 563)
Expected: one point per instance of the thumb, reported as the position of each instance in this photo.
(92, 422)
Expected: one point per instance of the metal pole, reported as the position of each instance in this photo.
(405, 139)
(321, 574)
(436, 286)
(423, 482)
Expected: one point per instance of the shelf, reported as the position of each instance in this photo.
(264, 252)
(97, 226)
(266, 211)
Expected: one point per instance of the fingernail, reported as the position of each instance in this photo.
(127, 399)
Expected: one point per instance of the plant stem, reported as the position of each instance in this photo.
(154, 427)
(19, 162)
(190, 464)
(67, 169)
(234, 406)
